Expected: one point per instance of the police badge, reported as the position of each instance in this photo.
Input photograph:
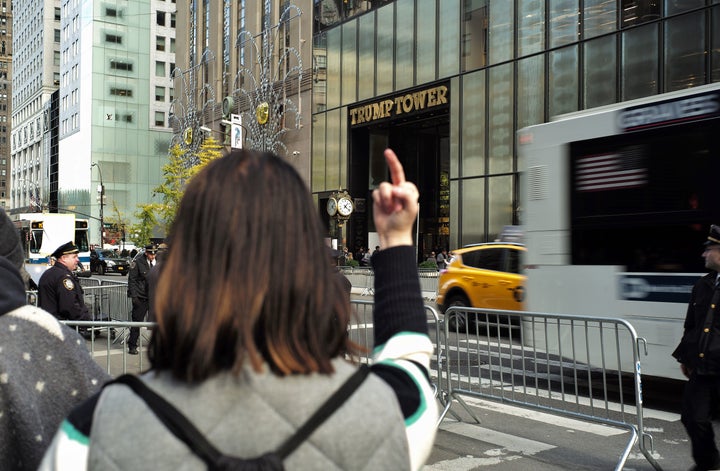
(69, 285)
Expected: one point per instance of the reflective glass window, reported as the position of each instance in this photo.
(473, 210)
(404, 45)
(679, 6)
(635, 12)
(384, 62)
(454, 240)
(599, 17)
(531, 91)
(349, 62)
(500, 207)
(366, 56)
(318, 152)
(332, 149)
(599, 69)
(474, 35)
(473, 128)
(426, 41)
(449, 38)
(319, 88)
(531, 26)
(500, 31)
(564, 22)
(563, 81)
(500, 125)
(685, 51)
(333, 67)
(640, 62)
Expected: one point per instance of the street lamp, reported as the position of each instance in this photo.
(101, 198)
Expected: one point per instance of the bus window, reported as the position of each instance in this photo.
(644, 200)
(81, 240)
(36, 241)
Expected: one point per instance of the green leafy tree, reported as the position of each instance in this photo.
(177, 175)
(118, 222)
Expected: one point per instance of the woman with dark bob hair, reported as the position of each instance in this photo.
(251, 339)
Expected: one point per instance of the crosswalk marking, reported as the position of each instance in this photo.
(545, 418)
(508, 442)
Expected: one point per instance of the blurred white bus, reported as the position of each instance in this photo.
(617, 202)
(42, 233)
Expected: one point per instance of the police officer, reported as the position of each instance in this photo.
(699, 357)
(138, 291)
(59, 291)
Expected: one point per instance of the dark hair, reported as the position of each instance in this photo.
(233, 287)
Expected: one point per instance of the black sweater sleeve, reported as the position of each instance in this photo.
(398, 302)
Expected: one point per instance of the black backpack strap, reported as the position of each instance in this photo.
(175, 421)
(183, 429)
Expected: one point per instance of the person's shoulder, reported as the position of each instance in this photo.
(38, 320)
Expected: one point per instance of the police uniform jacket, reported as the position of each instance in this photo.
(699, 348)
(137, 279)
(61, 295)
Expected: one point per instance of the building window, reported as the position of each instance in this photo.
(121, 92)
(161, 18)
(57, 14)
(112, 12)
(57, 35)
(159, 93)
(159, 69)
(635, 12)
(120, 65)
(113, 38)
(172, 45)
(159, 43)
(56, 78)
(159, 118)
(172, 19)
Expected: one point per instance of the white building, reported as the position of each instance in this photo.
(115, 93)
(36, 46)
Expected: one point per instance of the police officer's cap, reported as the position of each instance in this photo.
(65, 249)
(150, 248)
(714, 236)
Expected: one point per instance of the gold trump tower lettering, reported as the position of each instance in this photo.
(408, 103)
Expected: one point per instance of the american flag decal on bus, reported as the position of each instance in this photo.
(617, 171)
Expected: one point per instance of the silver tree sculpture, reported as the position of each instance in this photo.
(191, 106)
(269, 74)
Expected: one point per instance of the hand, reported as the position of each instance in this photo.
(395, 206)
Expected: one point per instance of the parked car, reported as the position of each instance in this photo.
(106, 261)
(482, 276)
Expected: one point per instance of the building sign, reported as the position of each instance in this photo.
(412, 102)
(675, 111)
(675, 288)
(236, 131)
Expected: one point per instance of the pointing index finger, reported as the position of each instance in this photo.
(397, 174)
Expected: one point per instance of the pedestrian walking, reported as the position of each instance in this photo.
(247, 353)
(699, 357)
(138, 290)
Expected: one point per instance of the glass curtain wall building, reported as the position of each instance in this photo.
(447, 84)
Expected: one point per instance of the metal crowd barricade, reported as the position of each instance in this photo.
(361, 332)
(574, 366)
(116, 358)
(429, 283)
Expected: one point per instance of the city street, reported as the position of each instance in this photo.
(511, 438)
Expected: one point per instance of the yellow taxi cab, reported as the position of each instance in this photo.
(482, 276)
